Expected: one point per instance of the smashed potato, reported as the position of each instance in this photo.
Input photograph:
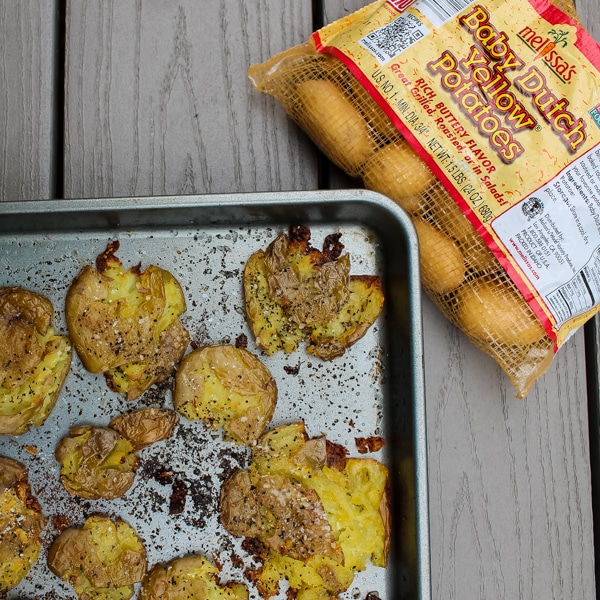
(102, 560)
(294, 292)
(96, 462)
(226, 387)
(189, 578)
(34, 360)
(146, 426)
(319, 515)
(125, 323)
(21, 524)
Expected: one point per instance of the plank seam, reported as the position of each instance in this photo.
(592, 337)
(58, 108)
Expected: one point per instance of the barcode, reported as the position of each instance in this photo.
(440, 11)
(390, 40)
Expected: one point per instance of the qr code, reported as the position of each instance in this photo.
(390, 40)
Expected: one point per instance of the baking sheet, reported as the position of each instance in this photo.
(374, 389)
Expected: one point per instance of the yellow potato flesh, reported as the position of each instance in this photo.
(96, 462)
(103, 559)
(125, 324)
(294, 293)
(30, 403)
(21, 525)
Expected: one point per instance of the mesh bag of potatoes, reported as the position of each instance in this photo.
(460, 121)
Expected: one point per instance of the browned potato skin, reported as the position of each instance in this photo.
(300, 529)
(241, 374)
(146, 426)
(360, 315)
(159, 364)
(76, 555)
(22, 313)
(105, 463)
(107, 339)
(21, 524)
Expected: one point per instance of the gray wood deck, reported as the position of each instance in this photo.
(156, 101)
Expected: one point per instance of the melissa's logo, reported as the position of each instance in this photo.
(558, 38)
(548, 48)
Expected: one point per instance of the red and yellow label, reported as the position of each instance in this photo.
(501, 99)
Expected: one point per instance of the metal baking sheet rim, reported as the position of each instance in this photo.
(273, 210)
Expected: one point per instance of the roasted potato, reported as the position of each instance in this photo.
(319, 515)
(125, 323)
(189, 578)
(146, 426)
(34, 360)
(102, 560)
(294, 292)
(96, 462)
(21, 524)
(226, 387)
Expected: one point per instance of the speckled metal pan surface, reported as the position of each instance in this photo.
(374, 389)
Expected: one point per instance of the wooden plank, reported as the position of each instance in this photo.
(510, 484)
(158, 101)
(588, 13)
(510, 489)
(592, 348)
(27, 30)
